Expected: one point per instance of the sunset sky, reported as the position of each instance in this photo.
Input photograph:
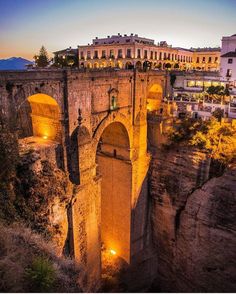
(26, 25)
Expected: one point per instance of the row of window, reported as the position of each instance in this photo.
(197, 84)
(152, 55)
(210, 59)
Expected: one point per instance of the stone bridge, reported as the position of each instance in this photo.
(98, 122)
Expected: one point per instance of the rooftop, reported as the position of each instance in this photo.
(229, 54)
(67, 50)
(133, 38)
(206, 49)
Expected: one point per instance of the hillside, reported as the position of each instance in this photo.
(14, 63)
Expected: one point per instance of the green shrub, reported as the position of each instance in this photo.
(40, 275)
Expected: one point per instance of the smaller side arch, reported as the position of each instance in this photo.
(45, 114)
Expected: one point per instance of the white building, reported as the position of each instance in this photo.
(228, 63)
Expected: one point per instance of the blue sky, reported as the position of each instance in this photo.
(25, 25)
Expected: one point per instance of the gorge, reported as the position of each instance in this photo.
(79, 171)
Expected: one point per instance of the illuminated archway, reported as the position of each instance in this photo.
(111, 64)
(96, 65)
(45, 115)
(103, 64)
(113, 159)
(119, 64)
(89, 65)
(154, 97)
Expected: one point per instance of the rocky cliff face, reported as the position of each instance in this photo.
(34, 190)
(193, 223)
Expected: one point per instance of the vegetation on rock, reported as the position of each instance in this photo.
(28, 263)
(216, 137)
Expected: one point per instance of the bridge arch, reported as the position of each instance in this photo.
(45, 116)
(115, 168)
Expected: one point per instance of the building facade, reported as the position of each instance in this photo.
(133, 51)
(228, 63)
(206, 59)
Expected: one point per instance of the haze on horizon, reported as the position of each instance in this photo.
(26, 25)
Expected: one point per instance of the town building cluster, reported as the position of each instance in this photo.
(196, 69)
(126, 52)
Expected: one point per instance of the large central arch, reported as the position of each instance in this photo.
(114, 165)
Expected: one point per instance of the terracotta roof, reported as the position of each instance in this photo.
(229, 54)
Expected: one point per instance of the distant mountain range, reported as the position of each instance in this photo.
(14, 63)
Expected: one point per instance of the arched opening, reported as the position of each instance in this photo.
(103, 64)
(96, 65)
(119, 64)
(168, 65)
(113, 164)
(159, 66)
(128, 65)
(89, 65)
(45, 115)
(154, 97)
(139, 65)
(176, 65)
(111, 64)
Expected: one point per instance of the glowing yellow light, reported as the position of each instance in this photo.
(113, 252)
(45, 137)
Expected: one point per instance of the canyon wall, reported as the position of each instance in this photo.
(193, 222)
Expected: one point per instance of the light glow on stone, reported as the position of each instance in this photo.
(113, 252)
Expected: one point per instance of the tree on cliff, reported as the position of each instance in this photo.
(42, 60)
(213, 136)
(217, 138)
